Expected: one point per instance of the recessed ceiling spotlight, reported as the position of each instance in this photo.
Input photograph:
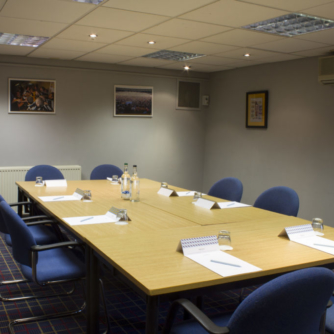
(247, 55)
(151, 42)
(93, 36)
(187, 68)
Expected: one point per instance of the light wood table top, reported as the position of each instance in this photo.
(151, 261)
(144, 218)
(145, 249)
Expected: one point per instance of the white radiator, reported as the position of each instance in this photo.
(9, 175)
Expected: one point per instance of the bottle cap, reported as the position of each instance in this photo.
(125, 163)
(134, 165)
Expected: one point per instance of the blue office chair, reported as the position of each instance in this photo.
(282, 200)
(290, 304)
(330, 318)
(44, 264)
(47, 172)
(42, 234)
(229, 188)
(101, 172)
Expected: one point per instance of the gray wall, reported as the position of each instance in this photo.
(84, 131)
(297, 148)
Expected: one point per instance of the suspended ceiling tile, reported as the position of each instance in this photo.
(15, 50)
(232, 13)
(239, 54)
(160, 7)
(110, 18)
(325, 11)
(212, 60)
(125, 50)
(72, 45)
(146, 62)
(196, 67)
(30, 27)
(327, 51)
(103, 58)
(246, 63)
(55, 54)
(186, 29)
(280, 57)
(81, 33)
(2, 2)
(324, 36)
(241, 37)
(46, 10)
(203, 47)
(290, 45)
(162, 42)
(295, 5)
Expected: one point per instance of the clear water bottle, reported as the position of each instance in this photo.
(134, 185)
(125, 186)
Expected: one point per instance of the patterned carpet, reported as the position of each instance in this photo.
(126, 309)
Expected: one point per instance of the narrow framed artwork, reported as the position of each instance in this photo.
(31, 96)
(257, 109)
(133, 101)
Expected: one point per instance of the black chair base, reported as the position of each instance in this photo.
(60, 315)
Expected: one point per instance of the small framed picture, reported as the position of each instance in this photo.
(133, 101)
(31, 96)
(257, 109)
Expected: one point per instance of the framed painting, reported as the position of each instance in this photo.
(133, 101)
(31, 96)
(257, 109)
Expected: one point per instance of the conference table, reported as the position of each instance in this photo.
(144, 252)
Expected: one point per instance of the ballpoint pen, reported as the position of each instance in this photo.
(83, 220)
(226, 263)
(58, 198)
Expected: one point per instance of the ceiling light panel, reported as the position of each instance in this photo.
(22, 40)
(173, 55)
(292, 25)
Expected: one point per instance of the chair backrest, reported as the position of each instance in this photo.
(47, 172)
(282, 200)
(229, 188)
(290, 304)
(101, 172)
(3, 226)
(22, 239)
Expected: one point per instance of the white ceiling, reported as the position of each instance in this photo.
(211, 27)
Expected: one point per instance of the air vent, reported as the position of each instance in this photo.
(22, 40)
(173, 55)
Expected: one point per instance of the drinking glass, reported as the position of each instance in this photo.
(318, 226)
(224, 240)
(114, 179)
(164, 185)
(197, 195)
(87, 195)
(39, 181)
(123, 215)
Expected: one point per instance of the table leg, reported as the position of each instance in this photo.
(19, 199)
(92, 292)
(152, 303)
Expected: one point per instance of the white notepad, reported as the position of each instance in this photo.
(88, 220)
(77, 195)
(305, 235)
(205, 251)
(231, 205)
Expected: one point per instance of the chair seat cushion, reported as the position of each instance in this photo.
(44, 235)
(56, 264)
(193, 327)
